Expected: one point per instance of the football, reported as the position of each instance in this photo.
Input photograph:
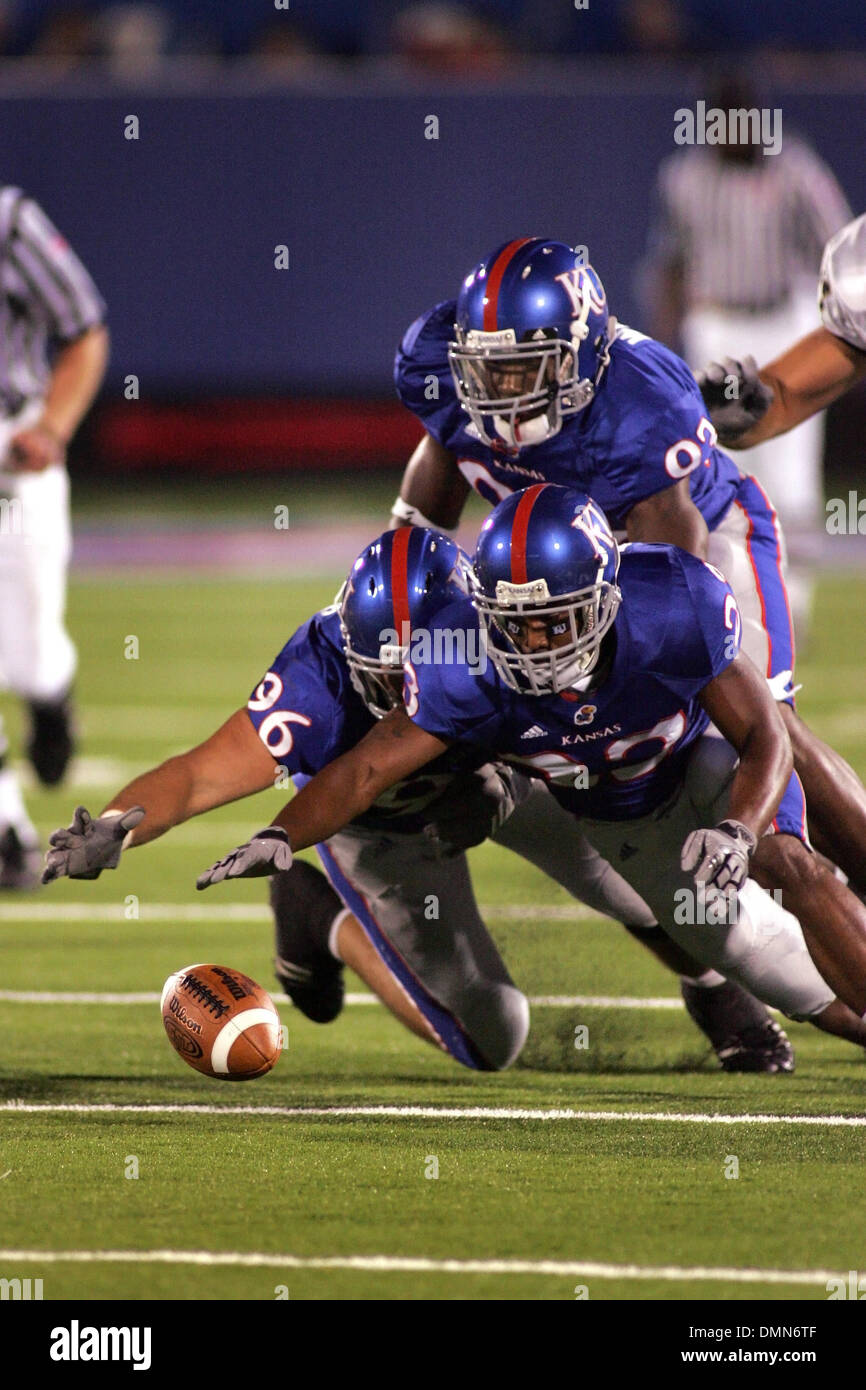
(221, 1022)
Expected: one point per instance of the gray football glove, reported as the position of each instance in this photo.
(735, 396)
(720, 857)
(88, 846)
(268, 852)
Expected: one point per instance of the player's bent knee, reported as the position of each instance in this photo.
(495, 1016)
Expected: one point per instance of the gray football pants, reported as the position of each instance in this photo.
(414, 898)
(761, 946)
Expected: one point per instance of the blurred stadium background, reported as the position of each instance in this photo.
(305, 127)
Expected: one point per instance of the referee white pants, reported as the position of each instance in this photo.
(790, 468)
(37, 657)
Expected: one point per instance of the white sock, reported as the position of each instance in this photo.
(335, 932)
(12, 808)
(711, 979)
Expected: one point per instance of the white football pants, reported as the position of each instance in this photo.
(37, 657)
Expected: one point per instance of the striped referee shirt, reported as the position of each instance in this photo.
(47, 299)
(746, 234)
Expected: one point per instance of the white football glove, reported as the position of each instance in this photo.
(719, 857)
(268, 852)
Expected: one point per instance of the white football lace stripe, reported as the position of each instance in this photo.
(232, 1030)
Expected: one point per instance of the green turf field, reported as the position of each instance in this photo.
(631, 1207)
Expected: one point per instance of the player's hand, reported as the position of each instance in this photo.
(719, 858)
(735, 396)
(268, 852)
(35, 449)
(88, 846)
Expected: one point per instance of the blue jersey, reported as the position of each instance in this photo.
(307, 713)
(618, 751)
(646, 428)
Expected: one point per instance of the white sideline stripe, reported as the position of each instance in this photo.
(214, 911)
(540, 1001)
(404, 1264)
(424, 1112)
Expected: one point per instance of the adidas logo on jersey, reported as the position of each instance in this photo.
(535, 732)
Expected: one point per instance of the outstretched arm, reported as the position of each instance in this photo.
(805, 379)
(231, 764)
(748, 405)
(391, 751)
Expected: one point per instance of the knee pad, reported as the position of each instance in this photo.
(495, 1016)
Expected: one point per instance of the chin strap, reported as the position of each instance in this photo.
(604, 354)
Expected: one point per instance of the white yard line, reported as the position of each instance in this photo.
(428, 1112)
(402, 1264)
(541, 1001)
(212, 910)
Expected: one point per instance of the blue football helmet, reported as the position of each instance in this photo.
(532, 339)
(397, 584)
(544, 585)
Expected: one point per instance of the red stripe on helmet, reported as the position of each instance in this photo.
(400, 583)
(519, 528)
(494, 280)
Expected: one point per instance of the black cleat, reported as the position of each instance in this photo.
(52, 739)
(305, 905)
(20, 862)
(740, 1028)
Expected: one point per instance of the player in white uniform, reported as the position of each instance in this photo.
(748, 406)
(53, 351)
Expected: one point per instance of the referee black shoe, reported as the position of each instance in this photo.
(743, 1034)
(52, 739)
(304, 906)
(20, 862)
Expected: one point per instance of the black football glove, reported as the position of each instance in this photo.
(735, 396)
(268, 852)
(719, 857)
(88, 846)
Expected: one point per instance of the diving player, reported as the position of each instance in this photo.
(528, 378)
(748, 406)
(405, 918)
(603, 680)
